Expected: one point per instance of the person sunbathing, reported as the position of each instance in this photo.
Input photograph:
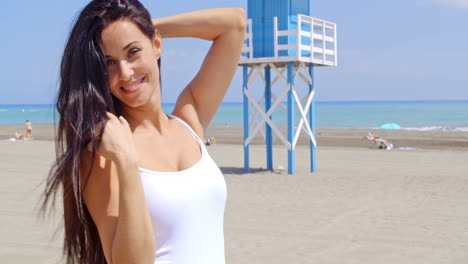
(19, 136)
(380, 142)
(210, 141)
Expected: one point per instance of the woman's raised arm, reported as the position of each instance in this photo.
(199, 101)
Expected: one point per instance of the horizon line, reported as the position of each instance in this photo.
(321, 101)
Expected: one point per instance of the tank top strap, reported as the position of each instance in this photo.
(189, 128)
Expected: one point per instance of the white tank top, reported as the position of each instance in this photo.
(187, 211)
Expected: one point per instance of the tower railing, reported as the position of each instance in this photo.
(247, 49)
(313, 41)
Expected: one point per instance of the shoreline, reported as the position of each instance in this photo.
(326, 137)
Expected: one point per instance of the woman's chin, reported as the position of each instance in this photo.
(138, 102)
(135, 104)
(139, 99)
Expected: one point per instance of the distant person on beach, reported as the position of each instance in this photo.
(19, 136)
(210, 141)
(28, 130)
(138, 185)
(381, 142)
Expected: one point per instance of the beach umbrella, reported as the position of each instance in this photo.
(390, 126)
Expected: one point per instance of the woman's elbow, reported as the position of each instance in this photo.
(240, 19)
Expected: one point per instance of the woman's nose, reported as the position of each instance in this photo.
(126, 70)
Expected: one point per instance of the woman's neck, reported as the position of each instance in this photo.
(147, 117)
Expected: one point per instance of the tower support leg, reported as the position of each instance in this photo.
(246, 117)
(291, 121)
(268, 136)
(313, 163)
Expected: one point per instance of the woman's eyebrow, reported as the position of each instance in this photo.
(126, 46)
(129, 44)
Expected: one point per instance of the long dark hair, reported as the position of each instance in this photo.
(83, 99)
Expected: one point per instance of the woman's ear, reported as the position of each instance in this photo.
(157, 42)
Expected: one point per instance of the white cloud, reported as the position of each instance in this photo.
(453, 3)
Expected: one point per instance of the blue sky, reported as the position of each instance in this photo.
(387, 50)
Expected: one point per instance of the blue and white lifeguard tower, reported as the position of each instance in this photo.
(283, 38)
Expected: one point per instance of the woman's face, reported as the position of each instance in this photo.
(132, 63)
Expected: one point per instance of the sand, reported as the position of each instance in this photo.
(363, 205)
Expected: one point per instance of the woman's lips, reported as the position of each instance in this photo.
(134, 87)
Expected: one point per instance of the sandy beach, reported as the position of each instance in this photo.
(363, 205)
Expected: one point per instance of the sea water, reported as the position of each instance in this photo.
(411, 115)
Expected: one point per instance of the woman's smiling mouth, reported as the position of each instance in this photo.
(134, 87)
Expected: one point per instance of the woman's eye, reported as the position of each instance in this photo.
(133, 52)
(110, 62)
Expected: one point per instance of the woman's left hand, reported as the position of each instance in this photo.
(116, 140)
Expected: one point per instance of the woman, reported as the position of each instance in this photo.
(138, 185)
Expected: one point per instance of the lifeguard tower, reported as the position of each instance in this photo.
(283, 39)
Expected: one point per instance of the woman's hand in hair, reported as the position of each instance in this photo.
(117, 140)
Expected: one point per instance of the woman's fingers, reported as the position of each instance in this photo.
(99, 126)
(116, 138)
(123, 120)
(89, 147)
(111, 116)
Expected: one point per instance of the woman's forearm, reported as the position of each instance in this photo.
(133, 240)
(206, 24)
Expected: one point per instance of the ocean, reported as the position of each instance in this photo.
(410, 115)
